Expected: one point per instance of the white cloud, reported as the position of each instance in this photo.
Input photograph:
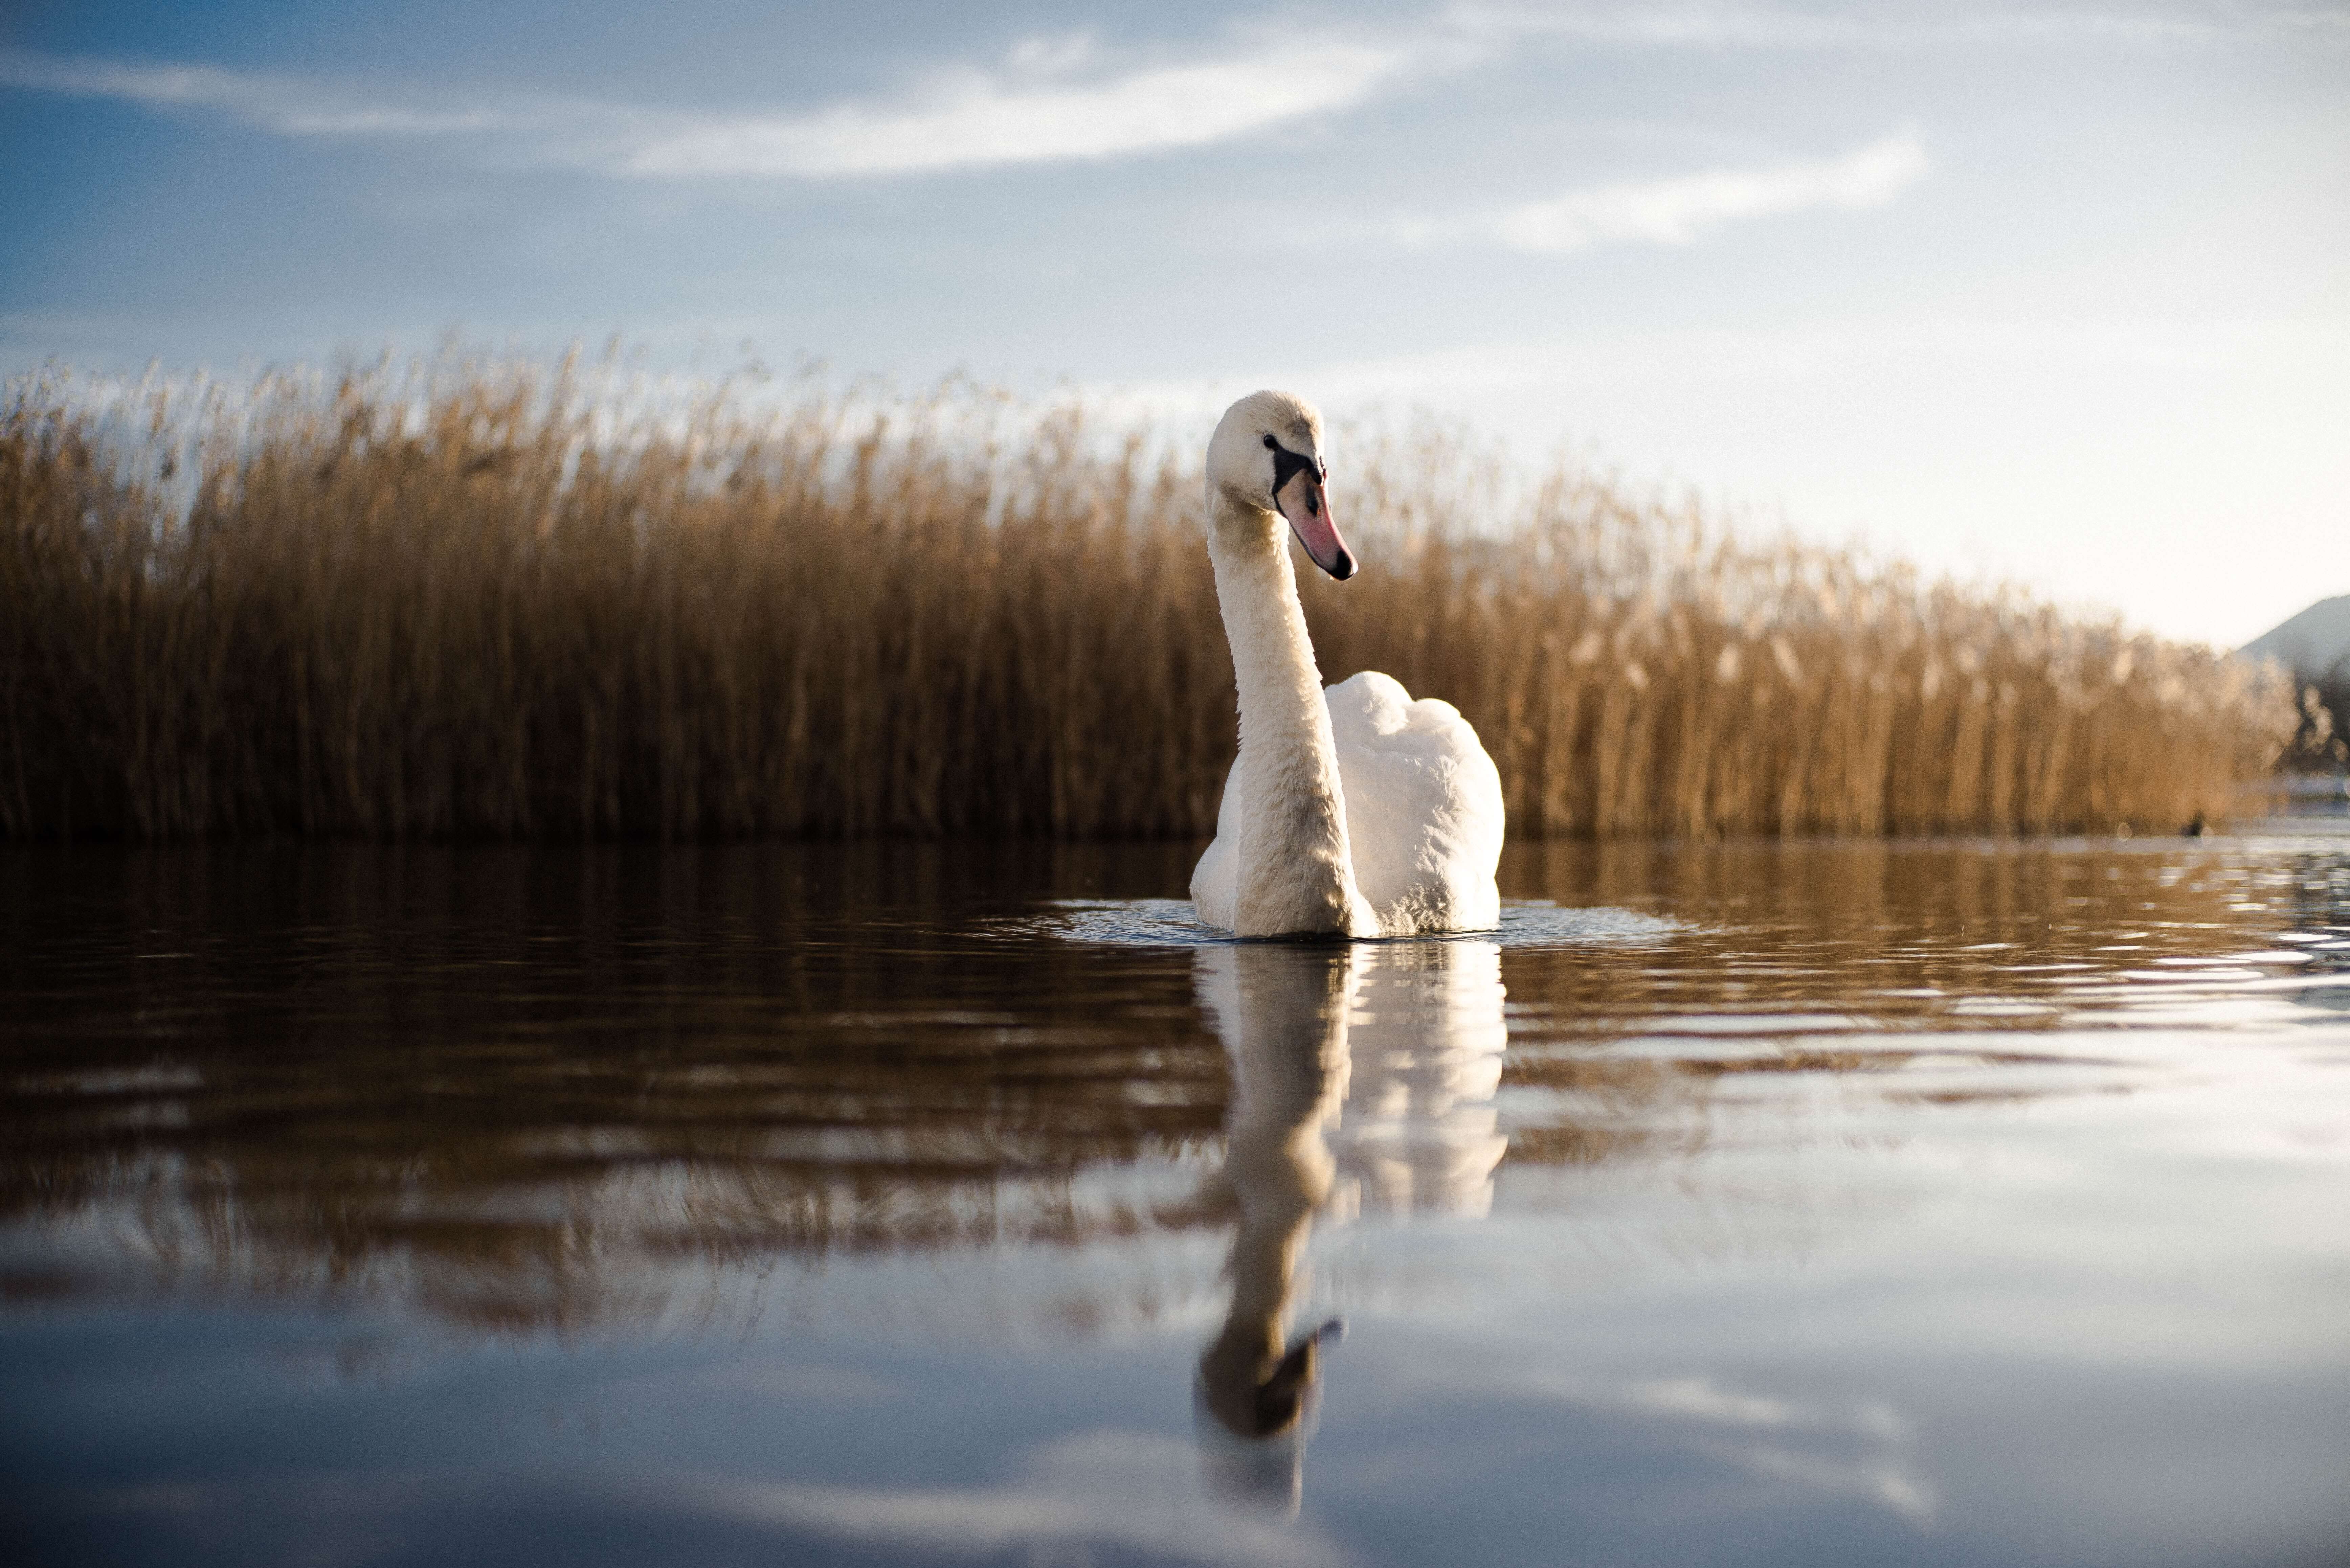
(1049, 100)
(1062, 98)
(1024, 114)
(281, 104)
(1715, 25)
(1678, 210)
(1667, 25)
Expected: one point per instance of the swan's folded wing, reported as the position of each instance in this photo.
(1423, 806)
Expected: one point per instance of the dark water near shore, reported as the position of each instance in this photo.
(783, 1204)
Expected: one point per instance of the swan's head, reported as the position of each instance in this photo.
(1266, 456)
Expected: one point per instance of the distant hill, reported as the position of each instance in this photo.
(2313, 643)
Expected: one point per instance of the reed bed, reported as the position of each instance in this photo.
(468, 599)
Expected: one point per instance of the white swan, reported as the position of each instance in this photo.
(1357, 812)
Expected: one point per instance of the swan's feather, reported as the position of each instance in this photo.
(1423, 808)
(1423, 814)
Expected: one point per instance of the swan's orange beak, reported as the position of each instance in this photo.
(1308, 511)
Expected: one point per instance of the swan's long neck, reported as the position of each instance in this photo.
(1296, 871)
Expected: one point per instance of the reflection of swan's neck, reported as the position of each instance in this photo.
(1285, 1022)
(1296, 869)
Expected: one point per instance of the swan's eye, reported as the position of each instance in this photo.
(1270, 444)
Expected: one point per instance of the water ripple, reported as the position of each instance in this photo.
(1173, 922)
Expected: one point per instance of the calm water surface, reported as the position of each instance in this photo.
(1808, 1204)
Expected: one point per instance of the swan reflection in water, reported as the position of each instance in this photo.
(1363, 1078)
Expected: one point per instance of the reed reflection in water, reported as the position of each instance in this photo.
(513, 1090)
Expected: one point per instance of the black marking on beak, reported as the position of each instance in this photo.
(1285, 465)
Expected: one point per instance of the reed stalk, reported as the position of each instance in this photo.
(472, 600)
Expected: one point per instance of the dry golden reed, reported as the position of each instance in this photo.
(467, 599)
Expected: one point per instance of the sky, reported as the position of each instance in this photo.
(2052, 293)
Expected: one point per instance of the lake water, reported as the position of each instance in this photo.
(1807, 1204)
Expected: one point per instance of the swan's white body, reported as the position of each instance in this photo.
(1358, 812)
(1422, 808)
